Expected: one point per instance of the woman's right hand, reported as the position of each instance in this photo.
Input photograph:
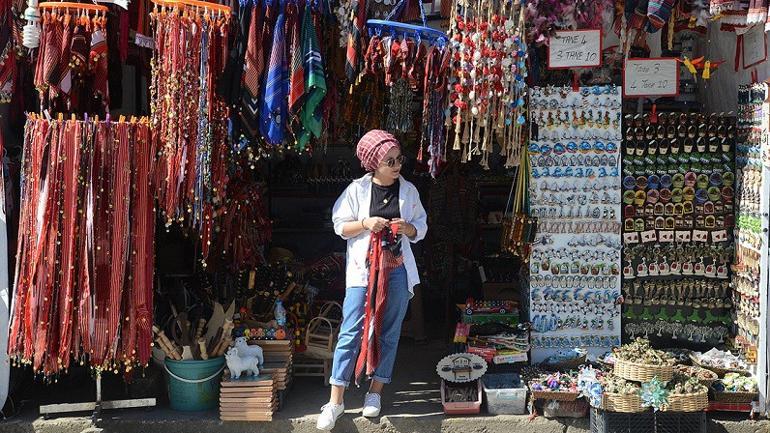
(375, 224)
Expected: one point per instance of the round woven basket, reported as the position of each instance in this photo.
(624, 403)
(638, 372)
(688, 402)
(719, 371)
(552, 395)
(700, 371)
(735, 397)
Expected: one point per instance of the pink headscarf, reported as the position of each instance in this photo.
(373, 147)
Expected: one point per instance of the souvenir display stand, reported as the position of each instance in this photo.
(750, 282)
(678, 211)
(598, 233)
(575, 195)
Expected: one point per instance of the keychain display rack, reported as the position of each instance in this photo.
(678, 215)
(750, 278)
(575, 194)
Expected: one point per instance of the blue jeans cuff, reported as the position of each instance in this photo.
(335, 382)
(382, 380)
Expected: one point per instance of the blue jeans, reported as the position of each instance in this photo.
(352, 327)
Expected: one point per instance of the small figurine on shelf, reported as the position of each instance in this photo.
(280, 313)
(245, 350)
(239, 365)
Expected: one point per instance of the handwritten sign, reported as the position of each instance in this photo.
(754, 47)
(651, 77)
(575, 49)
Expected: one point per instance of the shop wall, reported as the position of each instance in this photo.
(721, 92)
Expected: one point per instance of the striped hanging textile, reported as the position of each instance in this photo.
(315, 82)
(353, 53)
(71, 69)
(273, 110)
(101, 97)
(191, 52)
(86, 225)
(252, 74)
(297, 64)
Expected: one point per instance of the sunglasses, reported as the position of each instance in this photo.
(391, 162)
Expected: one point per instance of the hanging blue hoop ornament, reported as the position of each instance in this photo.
(388, 26)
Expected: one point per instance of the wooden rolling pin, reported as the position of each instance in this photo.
(172, 351)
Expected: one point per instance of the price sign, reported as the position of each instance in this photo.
(754, 47)
(575, 49)
(650, 77)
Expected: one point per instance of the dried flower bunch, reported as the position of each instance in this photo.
(734, 382)
(684, 384)
(616, 385)
(696, 372)
(640, 351)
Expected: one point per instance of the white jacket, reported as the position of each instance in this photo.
(353, 205)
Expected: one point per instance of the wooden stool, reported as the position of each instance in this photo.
(313, 367)
(320, 339)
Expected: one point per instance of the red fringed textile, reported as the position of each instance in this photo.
(85, 253)
(384, 256)
(71, 69)
(190, 131)
(245, 224)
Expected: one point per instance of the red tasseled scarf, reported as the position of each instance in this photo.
(382, 261)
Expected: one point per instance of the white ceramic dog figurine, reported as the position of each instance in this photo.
(245, 350)
(238, 365)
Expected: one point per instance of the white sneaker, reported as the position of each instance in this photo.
(372, 405)
(329, 414)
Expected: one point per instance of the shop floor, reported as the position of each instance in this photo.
(412, 405)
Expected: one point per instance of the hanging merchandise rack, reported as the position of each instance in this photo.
(422, 32)
(489, 90)
(73, 5)
(195, 4)
(70, 301)
(412, 60)
(73, 79)
(191, 132)
(389, 26)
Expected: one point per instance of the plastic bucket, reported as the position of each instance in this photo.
(194, 385)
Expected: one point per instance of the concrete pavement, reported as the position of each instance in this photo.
(412, 405)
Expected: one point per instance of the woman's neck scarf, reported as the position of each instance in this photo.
(384, 256)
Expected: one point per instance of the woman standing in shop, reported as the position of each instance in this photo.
(379, 215)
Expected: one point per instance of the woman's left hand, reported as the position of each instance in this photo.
(404, 228)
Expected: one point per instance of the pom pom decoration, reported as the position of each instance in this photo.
(654, 395)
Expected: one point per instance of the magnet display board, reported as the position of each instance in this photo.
(574, 277)
(575, 49)
(651, 77)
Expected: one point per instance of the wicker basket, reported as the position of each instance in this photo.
(638, 372)
(624, 403)
(554, 395)
(688, 402)
(687, 369)
(735, 397)
(719, 371)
